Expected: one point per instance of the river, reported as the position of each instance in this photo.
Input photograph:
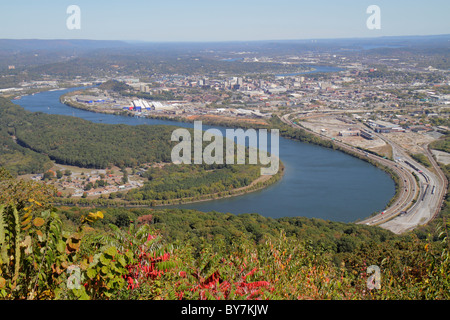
(318, 182)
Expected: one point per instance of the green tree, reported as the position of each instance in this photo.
(125, 178)
(48, 175)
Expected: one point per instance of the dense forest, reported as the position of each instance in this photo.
(16, 158)
(186, 181)
(114, 85)
(74, 141)
(89, 145)
(19, 160)
(78, 142)
(32, 139)
(192, 225)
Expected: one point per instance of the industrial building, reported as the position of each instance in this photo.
(366, 135)
(384, 126)
(92, 99)
(141, 105)
(276, 90)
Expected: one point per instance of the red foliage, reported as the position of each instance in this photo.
(220, 288)
(214, 285)
(145, 219)
(146, 267)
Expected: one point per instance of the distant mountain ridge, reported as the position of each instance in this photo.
(58, 44)
(85, 44)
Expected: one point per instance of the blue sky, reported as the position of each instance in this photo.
(212, 20)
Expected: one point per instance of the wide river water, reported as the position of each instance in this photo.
(318, 182)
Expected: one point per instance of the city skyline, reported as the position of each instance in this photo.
(205, 21)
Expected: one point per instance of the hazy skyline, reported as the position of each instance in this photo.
(200, 20)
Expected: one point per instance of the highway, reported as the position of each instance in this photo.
(417, 202)
(433, 188)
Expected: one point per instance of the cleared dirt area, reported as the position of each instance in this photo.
(385, 150)
(442, 157)
(410, 141)
(330, 127)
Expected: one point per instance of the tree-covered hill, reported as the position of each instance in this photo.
(31, 140)
(20, 160)
(14, 157)
(74, 141)
(116, 254)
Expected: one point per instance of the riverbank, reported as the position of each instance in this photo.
(357, 154)
(275, 122)
(256, 185)
(212, 120)
(200, 183)
(318, 182)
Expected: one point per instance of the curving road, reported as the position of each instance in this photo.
(433, 188)
(421, 190)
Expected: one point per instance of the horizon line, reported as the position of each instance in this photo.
(226, 41)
